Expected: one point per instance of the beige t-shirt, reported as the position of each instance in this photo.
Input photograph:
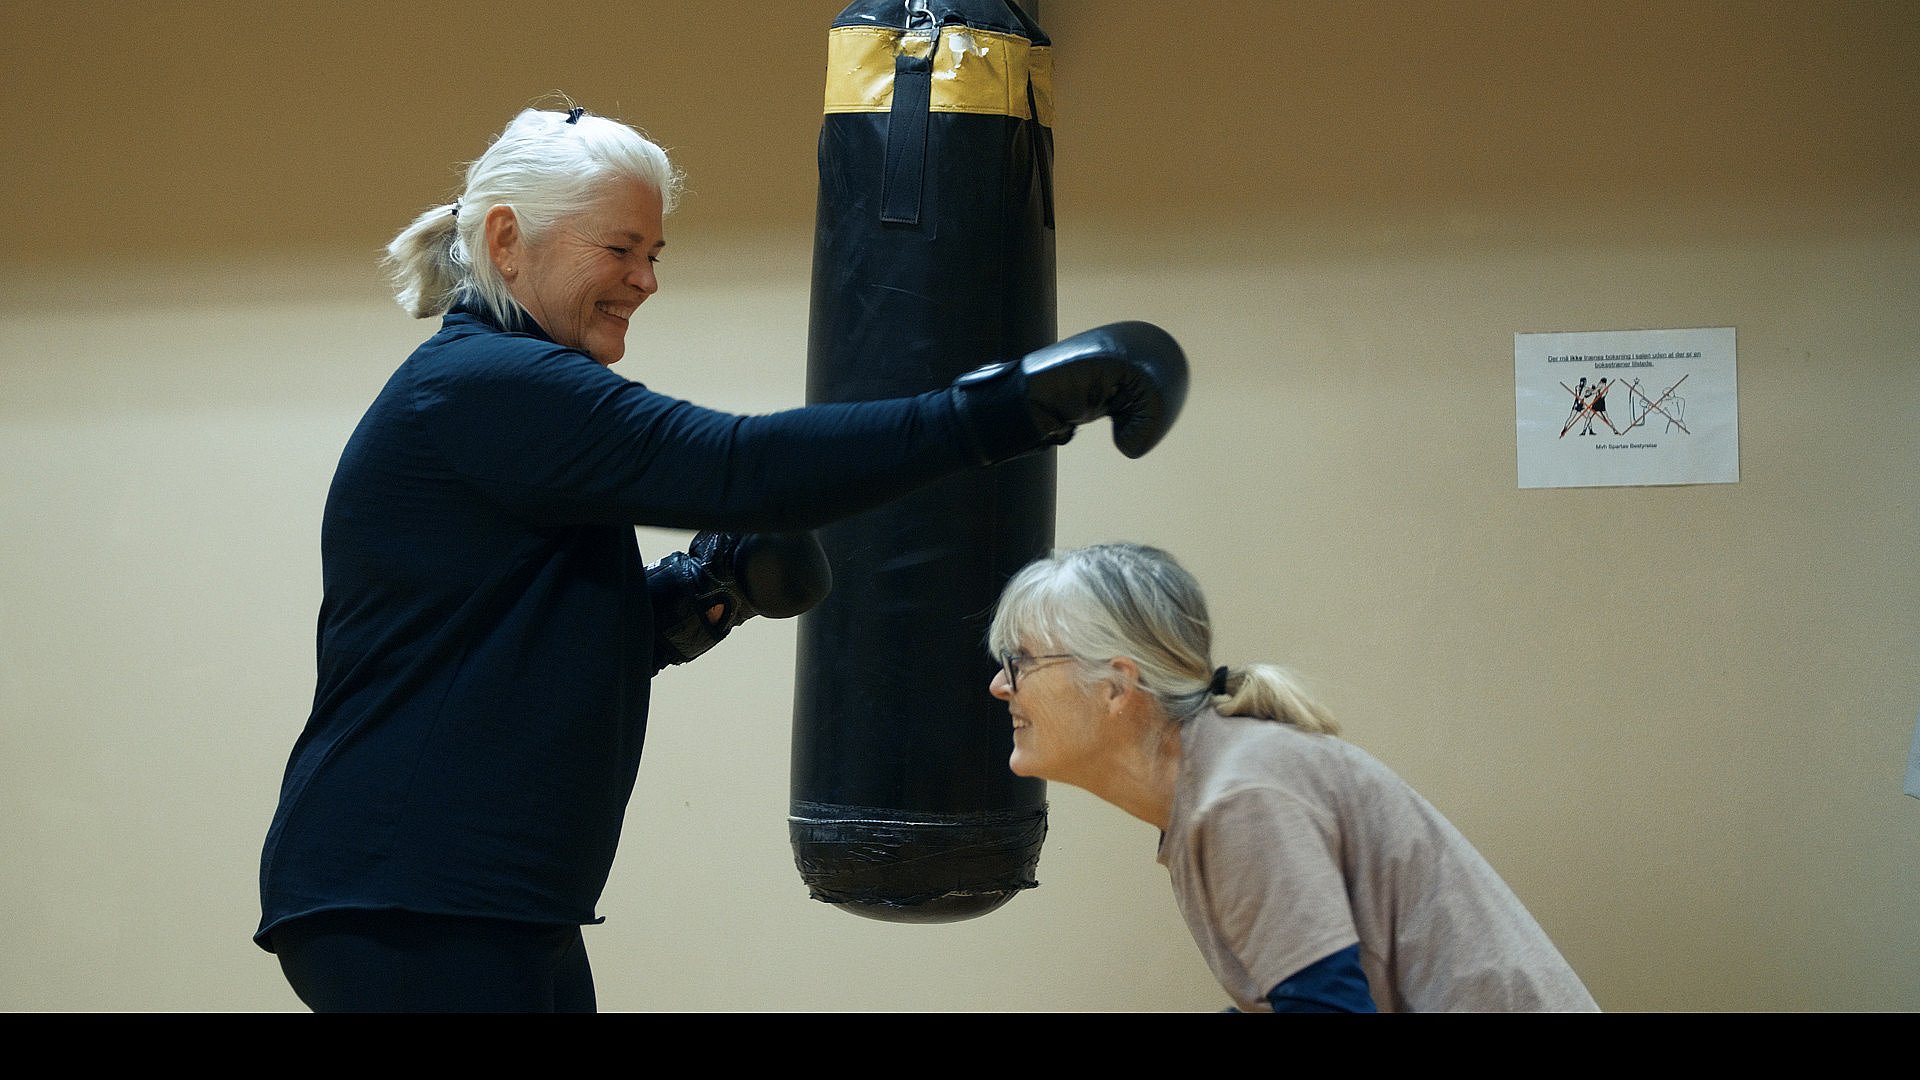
(1286, 846)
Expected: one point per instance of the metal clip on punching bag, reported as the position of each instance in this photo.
(933, 254)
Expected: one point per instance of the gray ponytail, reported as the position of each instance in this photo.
(1270, 692)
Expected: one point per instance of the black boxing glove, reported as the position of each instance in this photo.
(1133, 372)
(779, 575)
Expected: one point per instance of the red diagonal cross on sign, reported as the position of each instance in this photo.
(1586, 406)
(1654, 406)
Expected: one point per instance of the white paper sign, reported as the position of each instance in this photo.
(1623, 407)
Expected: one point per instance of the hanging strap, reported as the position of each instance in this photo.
(906, 165)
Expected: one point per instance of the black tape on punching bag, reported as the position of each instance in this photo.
(933, 254)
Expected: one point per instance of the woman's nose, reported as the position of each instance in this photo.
(999, 687)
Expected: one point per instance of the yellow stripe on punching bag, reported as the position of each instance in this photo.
(933, 255)
(974, 71)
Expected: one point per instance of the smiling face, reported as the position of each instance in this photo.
(587, 274)
(1058, 723)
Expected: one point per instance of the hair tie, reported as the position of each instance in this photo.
(454, 210)
(1219, 684)
(573, 114)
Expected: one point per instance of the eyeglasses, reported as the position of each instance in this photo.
(1011, 664)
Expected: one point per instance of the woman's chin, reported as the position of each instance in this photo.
(607, 347)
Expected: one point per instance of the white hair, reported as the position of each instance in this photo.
(545, 166)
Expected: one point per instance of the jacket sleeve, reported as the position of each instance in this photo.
(554, 436)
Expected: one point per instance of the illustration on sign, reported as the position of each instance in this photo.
(1644, 407)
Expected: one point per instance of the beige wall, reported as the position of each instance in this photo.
(1676, 718)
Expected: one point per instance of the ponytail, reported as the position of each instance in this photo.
(1269, 692)
(428, 262)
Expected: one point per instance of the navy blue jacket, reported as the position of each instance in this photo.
(485, 638)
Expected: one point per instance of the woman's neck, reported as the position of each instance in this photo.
(1142, 781)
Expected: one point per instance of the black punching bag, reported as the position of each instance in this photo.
(933, 255)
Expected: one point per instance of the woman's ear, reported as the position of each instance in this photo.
(503, 238)
(1125, 679)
